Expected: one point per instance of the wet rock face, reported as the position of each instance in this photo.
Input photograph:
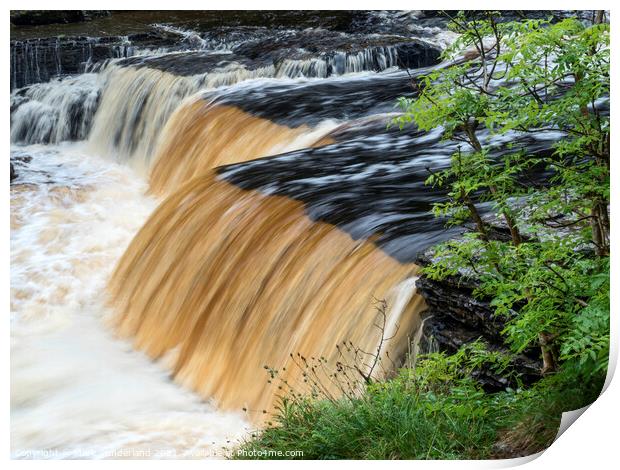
(309, 103)
(193, 63)
(39, 60)
(453, 304)
(308, 43)
(312, 53)
(455, 318)
(339, 42)
(35, 61)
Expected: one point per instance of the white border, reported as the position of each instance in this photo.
(591, 443)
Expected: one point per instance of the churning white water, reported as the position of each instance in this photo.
(76, 391)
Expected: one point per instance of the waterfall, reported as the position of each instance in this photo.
(135, 105)
(231, 280)
(233, 136)
(133, 97)
(339, 63)
(39, 60)
(192, 205)
(56, 111)
(259, 118)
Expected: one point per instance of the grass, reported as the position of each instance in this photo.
(429, 413)
(388, 422)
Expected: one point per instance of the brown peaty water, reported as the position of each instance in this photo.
(225, 281)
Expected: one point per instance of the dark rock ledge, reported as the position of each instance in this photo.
(455, 317)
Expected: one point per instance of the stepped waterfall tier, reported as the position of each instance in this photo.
(197, 198)
(262, 281)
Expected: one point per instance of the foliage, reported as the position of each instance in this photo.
(552, 278)
(436, 411)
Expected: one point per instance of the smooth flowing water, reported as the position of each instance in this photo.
(76, 389)
(184, 217)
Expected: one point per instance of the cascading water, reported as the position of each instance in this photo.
(234, 280)
(76, 392)
(286, 207)
(233, 136)
(55, 112)
(135, 105)
(255, 118)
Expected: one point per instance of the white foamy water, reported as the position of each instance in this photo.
(76, 390)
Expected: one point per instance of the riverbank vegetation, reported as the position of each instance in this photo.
(535, 240)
